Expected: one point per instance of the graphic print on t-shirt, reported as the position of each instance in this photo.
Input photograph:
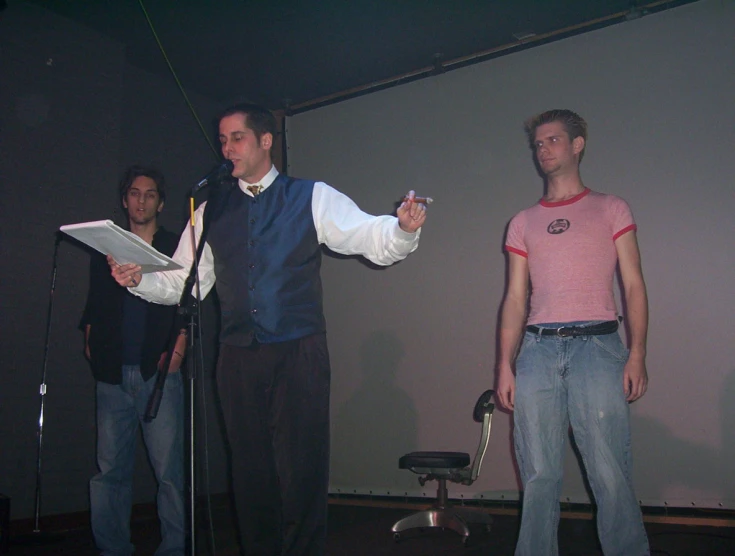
(558, 226)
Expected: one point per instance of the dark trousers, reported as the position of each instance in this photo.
(275, 400)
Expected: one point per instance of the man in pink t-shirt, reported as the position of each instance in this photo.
(571, 365)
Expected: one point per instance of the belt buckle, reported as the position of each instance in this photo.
(561, 332)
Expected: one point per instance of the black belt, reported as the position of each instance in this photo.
(601, 329)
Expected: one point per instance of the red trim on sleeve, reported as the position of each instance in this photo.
(510, 249)
(625, 231)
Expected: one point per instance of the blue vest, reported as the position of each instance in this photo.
(267, 260)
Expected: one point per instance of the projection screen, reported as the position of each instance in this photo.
(413, 345)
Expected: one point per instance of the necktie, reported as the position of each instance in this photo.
(254, 189)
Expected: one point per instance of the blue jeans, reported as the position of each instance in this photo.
(120, 408)
(579, 380)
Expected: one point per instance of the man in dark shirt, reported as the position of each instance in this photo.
(126, 342)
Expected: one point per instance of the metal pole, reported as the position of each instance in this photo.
(42, 390)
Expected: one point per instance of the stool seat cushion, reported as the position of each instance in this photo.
(436, 460)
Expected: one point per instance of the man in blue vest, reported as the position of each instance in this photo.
(273, 375)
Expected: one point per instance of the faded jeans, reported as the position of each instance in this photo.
(563, 380)
(120, 410)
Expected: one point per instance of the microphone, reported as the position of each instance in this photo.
(224, 170)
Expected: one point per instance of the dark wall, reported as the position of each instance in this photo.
(73, 115)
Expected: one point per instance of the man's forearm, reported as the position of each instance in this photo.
(637, 314)
(179, 350)
(512, 319)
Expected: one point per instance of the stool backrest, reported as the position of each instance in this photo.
(483, 413)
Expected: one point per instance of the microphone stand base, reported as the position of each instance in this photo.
(36, 538)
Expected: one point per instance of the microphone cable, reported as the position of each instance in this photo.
(178, 82)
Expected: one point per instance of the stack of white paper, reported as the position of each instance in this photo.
(125, 247)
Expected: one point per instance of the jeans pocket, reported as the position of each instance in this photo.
(525, 351)
(612, 345)
(528, 340)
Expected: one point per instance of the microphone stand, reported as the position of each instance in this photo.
(190, 306)
(36, 535)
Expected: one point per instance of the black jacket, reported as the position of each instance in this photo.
(103, 313)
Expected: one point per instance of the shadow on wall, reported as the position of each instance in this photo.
(671, 461)
(727, 436)
(668, 462)
(377, 424)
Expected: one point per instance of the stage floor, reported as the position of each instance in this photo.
(365, 531)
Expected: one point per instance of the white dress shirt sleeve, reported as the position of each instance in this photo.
(345, 229)
(340, 225)
(165, 287)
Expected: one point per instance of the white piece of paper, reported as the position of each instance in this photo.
(125, 247)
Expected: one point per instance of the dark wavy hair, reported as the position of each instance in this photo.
(135, 171)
